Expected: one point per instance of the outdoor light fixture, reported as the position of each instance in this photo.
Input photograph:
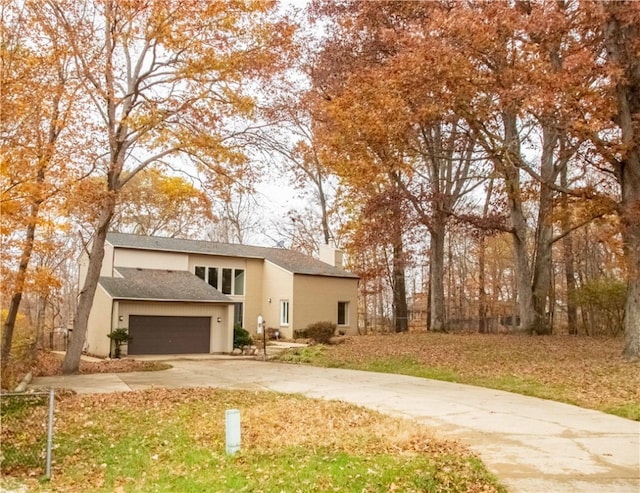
(269, 300)
(219, 319)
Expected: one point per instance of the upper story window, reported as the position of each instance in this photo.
(238, 282)
(213, 277)
(228, 281)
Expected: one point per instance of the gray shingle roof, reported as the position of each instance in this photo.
(290, 260)
(167, 285)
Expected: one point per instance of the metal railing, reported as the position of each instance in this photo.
(26, 433)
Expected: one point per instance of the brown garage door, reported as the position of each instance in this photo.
(169, 335)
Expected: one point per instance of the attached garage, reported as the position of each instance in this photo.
(169, 335)
(165, 312)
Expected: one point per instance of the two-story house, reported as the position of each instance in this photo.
(179, 296)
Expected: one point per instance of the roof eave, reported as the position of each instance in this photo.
(190, 252)
(333, 276)
(129, 298)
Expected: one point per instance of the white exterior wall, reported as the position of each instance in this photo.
(147, 259)
(221, 332)
(101, 321)
(277, 286)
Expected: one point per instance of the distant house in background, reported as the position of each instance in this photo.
(185, 296)
(418, 311)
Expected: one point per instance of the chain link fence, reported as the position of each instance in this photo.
(26, 433)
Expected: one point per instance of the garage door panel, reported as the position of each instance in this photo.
(169, 335)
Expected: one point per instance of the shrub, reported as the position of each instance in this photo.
(273, 333)
(241, 337)
(120, 337)
(320, 332)
(602, 302)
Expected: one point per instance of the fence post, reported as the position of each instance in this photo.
(50, 434)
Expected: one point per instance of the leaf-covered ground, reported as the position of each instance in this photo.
(48, 363)
(174, 440)
(589, 372)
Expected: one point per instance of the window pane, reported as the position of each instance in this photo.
(343, 310)
(284, 312)
(200, 271)
(238, 284)
(237, 314)
(213, 276)
(226, 281)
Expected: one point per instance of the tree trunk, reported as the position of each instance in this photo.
(71, 362)
(400, 314)
(21, 275)
(482, 292)
(544, 235)
(631, 236)
(16, 298)
(43, 300)
(428, 289)
(482, 252)
(324, 209)
(567, 256)
(519, 224)
(438, 322)
(622, 36)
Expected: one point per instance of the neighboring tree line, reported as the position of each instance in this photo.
(453, 124)
(480, 156)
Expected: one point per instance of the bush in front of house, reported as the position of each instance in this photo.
(120, 337)
(241, 337)
(320, 332)
(273, 333)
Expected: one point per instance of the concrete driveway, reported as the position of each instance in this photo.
(531, 445)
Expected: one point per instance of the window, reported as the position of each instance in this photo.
(238, 314)
(284, 312)
(238, 282)
(343, 312)
(213, 276)
(226, 281)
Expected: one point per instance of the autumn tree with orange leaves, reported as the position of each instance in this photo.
(165, 80)
(157, 204)
(38, 129)
(389, 116)
(526, 83)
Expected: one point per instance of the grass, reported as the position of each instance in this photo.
(588, 372)
(630, 410)
(174, 440)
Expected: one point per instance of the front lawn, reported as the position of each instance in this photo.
(588, 372)
(174, 440)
